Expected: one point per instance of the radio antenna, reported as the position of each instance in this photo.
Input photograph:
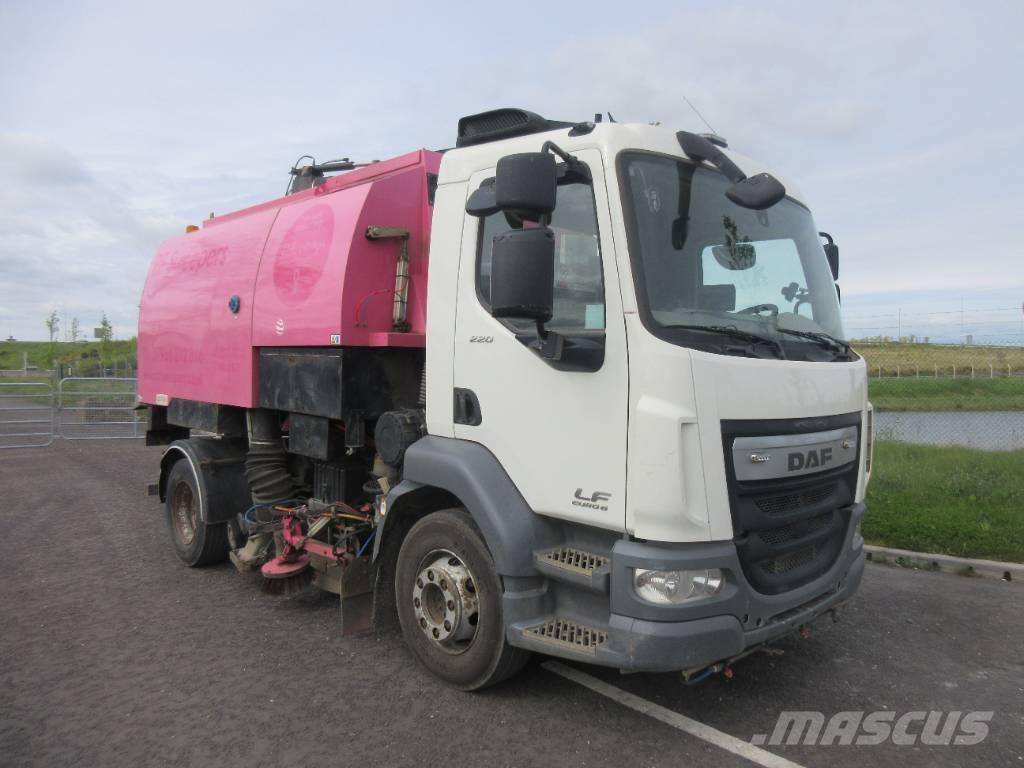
(697, 112)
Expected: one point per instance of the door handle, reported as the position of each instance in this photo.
(467, 407)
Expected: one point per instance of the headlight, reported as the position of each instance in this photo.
(670, 587)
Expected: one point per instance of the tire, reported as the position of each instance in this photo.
(446, 548)
(195, 543)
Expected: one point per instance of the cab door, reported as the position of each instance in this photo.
(557, 426)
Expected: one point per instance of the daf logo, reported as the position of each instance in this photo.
(760, 458)
(807, 460)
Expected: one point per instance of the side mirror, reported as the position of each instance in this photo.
(523, 274)
(525, 184)
(756, 193)
(831, 253)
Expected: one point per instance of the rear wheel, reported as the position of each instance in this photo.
(195, 542)
(449, 603)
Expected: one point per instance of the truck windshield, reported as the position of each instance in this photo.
(711, 274)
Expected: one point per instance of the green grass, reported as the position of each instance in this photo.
(85, 358)
(954, 501)
(947, 394)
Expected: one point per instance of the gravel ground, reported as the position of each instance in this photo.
(112, 653)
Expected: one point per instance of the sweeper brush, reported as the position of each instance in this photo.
(282, 576)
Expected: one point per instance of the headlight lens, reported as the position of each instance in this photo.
(673, 587)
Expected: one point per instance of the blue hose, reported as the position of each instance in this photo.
(701, 677)
(366, 543)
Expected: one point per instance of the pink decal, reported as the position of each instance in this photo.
(300, 259)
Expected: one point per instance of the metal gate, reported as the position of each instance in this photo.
(97, 409)
(26, 414)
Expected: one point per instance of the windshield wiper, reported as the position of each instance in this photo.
(824, 340)
(736, 333)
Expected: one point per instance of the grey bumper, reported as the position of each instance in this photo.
(646, 637)
(643, 644)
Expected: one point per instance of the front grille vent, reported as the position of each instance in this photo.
(570, 633)
(789, 561)
(791, 502)
(787, 533)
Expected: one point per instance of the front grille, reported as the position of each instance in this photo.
(795, 531)
(789, 531)
(789, 562)
(788, 502)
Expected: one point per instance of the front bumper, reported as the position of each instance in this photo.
(659, 638)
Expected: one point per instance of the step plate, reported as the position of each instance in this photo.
(573, 559)
(569, 634)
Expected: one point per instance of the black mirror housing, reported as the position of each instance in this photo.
(756, 193)
(481, 202)
(523, 274)
(526, 184)
(832, 254)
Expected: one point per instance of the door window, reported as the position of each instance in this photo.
(579, 283)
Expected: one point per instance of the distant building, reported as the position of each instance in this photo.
(11, 338)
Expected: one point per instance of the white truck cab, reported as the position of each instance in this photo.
(667, 455)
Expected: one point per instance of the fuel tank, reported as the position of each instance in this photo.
(299, 271)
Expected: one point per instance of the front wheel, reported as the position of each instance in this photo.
(449, 603)
(195, 542)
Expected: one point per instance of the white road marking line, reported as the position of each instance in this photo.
(682, 722)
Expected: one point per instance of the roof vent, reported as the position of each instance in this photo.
(502, 124)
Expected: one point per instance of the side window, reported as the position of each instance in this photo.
(579, 282)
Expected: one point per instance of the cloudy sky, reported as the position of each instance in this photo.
(122, 122)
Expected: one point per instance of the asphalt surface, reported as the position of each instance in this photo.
(113, 654)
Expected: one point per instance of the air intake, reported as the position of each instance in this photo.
(502, 124)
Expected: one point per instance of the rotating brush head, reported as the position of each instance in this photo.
(286, 577)
(289, 585)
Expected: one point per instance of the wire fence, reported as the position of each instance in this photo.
(35, 413)
(947, 395)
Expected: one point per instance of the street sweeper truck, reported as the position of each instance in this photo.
(576, 388)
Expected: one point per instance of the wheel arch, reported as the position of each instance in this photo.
(441, 472)
(218, 466)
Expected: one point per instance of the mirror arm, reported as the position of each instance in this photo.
(573, 164)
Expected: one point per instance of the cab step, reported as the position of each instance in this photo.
(568, 635)
(576, 566)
